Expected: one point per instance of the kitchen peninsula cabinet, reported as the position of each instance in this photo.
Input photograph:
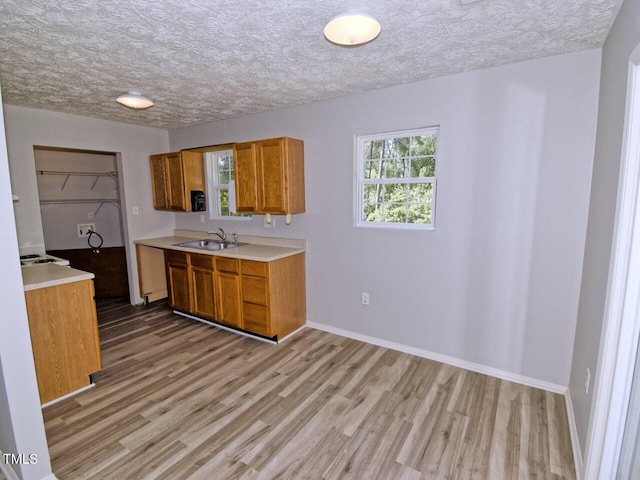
(269, 176)
(64, 328)
(173, 177)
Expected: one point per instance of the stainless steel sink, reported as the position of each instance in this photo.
(208, 244)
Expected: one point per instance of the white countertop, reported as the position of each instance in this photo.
(252, 251)
(50, 275)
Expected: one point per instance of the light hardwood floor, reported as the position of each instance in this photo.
(178, 399)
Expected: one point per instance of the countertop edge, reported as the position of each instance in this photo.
(268, 253)
(50, 276)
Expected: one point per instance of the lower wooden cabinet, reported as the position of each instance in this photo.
(228, 292)
(64, 336)
(264, 298)
(179, 286)
(274, 296)
(202, 276)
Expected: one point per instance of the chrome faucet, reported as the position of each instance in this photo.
(222, 237)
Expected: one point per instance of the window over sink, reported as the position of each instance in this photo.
(220, 178)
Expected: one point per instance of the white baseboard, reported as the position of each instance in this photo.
(573, 430)
(68, 395)
(456, 362)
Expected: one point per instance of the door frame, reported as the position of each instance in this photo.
(621, 322)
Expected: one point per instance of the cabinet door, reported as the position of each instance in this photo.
(159, 182)
(228, 307)
(178, 281)
(271, 182)
(257, 319)
(203, 292)
(245, 164)
(175, 182)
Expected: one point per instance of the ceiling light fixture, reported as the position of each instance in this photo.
(351, 29)
(134, 100)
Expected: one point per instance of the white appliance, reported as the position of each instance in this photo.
(39, 259)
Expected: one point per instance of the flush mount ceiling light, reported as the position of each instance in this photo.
(351, 29)
(134, 100)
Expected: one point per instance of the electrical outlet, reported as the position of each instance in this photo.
(587, 381)
(90, 215)
(201, 218)
(272, 224)
(135, 210)
(365, 298)
(84, 228)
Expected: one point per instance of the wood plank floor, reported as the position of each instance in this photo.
(178, 399)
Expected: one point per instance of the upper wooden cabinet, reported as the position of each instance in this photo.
(269, 176)
(173, 176)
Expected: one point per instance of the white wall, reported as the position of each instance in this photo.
(21, 423)
(497, 283)
(28, 127)
(623, 38)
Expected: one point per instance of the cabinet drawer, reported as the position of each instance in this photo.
(254, 290)
(227, 264)
(172, 256)
(250, 267)
(205, 261)
(256, 319)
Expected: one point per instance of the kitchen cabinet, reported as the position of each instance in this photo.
(173, 177)
(64, 337)
(203, 280)
(191, 283)
(273, 295)
(269, 176)
(228, 299)
(179, 286)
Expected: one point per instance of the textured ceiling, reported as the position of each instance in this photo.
(204, 60)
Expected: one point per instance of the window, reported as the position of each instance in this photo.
(396, 179)
(221, 191)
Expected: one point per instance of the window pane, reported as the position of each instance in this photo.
(223, 177)
(420, 214)
(403, 147)
(223, 162)
(396, 213)
(421, 192)
(223, 201)
(372, 169)
(423, 167)
(373, 149)
(423, 145)
(389, 168)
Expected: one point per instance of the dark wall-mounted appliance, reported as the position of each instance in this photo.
(198, 203)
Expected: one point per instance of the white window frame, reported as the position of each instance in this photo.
(211, 161)
(360, 181)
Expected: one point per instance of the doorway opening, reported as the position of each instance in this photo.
(82, 222)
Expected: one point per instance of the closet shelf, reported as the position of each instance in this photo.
(62, 201)
(98, 175)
